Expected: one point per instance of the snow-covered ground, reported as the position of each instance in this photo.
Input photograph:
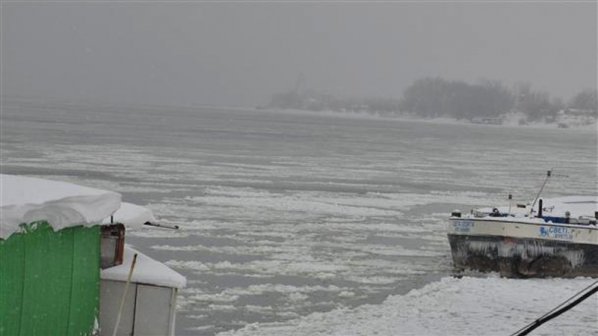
(452, 306)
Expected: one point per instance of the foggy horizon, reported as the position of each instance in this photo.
(239, 54)
(240, 168)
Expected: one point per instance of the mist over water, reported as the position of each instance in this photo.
(241, 52)
(285, 214)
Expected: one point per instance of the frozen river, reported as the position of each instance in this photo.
(284, 215)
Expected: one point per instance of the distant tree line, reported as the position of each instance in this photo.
(437, 97)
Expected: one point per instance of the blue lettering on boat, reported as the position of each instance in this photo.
(556, 232)
(463, 225)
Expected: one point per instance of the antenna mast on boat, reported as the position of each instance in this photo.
(548, 174)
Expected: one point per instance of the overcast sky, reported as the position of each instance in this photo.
(184, 53)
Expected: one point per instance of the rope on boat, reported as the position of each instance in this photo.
(558, 310)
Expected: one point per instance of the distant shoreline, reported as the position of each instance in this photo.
(509, 122)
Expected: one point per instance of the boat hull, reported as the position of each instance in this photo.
(518, 249)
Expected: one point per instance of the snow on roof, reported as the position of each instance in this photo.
(147, 271)
(577, 205)
(61, 204)
(131, 215)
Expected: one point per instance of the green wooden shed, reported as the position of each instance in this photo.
(64, 267)
(50, 256)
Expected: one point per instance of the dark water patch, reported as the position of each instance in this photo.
(42, 171)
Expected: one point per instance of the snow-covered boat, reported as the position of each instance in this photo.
(64, 267)
(556, 238)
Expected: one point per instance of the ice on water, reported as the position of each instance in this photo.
(287, 215)
(451, 306)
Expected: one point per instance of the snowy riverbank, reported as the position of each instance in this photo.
(511, 120)
(451, 306)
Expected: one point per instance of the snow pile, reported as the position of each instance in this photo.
(577, 206)
(147, 270)
(131, 215)
(467, 306)
(61, 204)
(585, 206)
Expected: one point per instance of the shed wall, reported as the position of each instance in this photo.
(49, 281)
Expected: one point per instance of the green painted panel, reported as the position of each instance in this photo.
(85, 295)
(47, 284)
(12, 268)
(57, 288)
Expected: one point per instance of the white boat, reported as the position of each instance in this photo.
(558, 238)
